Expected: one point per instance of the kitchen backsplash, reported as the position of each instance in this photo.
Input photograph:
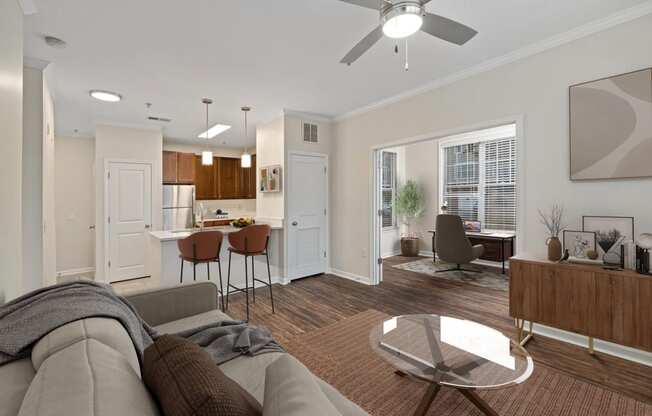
(238, 206)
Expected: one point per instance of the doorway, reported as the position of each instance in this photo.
(129, 207)
(307, 214)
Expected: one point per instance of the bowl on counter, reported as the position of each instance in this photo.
(242, 222)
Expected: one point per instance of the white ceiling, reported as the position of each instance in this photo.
(268, 54)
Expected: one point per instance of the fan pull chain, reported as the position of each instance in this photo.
(407, 64)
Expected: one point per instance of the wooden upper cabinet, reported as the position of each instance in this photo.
(228, 178)
(178, 167)
(185, 168)
(204, 180)
(169, 167)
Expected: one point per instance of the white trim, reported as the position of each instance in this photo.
(350, 276)
(518, 119)
(621, 351)
(393, 253)
(579, 32)
(73, 272)
(288, 187)
(107, 208)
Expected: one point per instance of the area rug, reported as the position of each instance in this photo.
(486, 277)
(341, 355)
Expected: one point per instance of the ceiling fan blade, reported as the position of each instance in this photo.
(363, 46)
(369, 4)
(447, 29)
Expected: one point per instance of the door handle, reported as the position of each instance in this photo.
(294, 223)
(91, 227)
(147, 226)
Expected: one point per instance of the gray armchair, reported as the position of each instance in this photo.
(452, 244)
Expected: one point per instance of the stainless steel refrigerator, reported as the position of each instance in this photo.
(178, 207)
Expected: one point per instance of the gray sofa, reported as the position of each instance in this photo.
(90, 367)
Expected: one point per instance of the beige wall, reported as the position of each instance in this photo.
(535, 87)
(270, 150)
(421, 165)
(75, 203)
(11, 120)
(124, 143)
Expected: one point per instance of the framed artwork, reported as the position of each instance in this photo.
(610, 124)
(270, 178)
(578, 243)
(611, 233)
(472, 226)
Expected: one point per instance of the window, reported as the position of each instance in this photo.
(388, 188)
(478, 176)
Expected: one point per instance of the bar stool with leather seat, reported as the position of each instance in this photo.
(202, 247)
(251, 241)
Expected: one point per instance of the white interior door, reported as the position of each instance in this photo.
(129, 220)
(307, 215)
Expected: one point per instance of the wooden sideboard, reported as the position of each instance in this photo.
(614, 306)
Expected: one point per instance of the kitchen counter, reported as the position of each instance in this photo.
(178, 235)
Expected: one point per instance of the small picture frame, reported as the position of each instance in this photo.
(611, 233)
(578, 243)
(270, 178)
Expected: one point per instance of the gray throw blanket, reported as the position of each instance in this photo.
(27, 319)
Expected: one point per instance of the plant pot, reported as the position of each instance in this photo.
(554, 249)
(409, 247)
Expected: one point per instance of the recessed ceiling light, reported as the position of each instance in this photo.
(108, 96)
(214, 131)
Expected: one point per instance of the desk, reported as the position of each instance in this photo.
(497, 246)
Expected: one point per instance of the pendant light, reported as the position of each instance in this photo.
(245, 159)
(207, 156)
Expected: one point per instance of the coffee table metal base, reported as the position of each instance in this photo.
(433, 390)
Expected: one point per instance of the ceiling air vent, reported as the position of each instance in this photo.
(310, 133)
(162, 119)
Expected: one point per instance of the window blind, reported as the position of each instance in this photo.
(480, 175)
(388, 189)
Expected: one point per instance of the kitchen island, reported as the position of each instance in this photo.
(165, 264)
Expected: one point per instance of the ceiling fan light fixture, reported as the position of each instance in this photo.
(402, 20)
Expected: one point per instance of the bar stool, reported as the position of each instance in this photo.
(202, 247)
(251, 241)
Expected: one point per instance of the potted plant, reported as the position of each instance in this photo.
(409, 205)
(553, 222)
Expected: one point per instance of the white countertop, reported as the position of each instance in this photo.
(178, 235)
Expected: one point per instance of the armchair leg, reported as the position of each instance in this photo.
(458, 268)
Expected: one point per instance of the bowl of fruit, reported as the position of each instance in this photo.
(242, 222)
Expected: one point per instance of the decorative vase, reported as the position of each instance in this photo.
(409, 247)
(554, 248)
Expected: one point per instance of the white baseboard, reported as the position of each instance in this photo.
(74, 272)
(425, 253)
(620, 351)
(391, 254)
(350, 276)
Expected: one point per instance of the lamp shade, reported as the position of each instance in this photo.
(207, 158)
(245, 160)
(645, 241)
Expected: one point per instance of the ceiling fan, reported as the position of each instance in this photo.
(402, 18)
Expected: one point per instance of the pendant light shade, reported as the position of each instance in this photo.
(207, 158)
(245, 159)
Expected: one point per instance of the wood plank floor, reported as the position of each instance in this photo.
(315, 302)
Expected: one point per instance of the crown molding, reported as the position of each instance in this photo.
(579, 32)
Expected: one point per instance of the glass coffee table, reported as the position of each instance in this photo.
(451, 352)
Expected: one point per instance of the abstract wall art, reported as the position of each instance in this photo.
(611, 127)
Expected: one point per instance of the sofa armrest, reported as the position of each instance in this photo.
(169, 304)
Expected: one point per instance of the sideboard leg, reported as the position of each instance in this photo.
(591, 350)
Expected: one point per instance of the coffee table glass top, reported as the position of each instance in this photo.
(451, 352)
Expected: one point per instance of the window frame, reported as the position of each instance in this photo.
(393, 188)
(484, 135)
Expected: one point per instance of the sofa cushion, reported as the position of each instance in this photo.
(249, 372)
(343, 405)
(186, 381)
(105, 330)
(194, 321)
(87, 378)
(15, 378)
(292, 390)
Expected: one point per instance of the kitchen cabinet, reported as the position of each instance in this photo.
(225, 179)
(169, 167)
(178, 168)
(204, 180)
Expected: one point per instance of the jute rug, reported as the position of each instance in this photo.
(486, 277)
(341, 355)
